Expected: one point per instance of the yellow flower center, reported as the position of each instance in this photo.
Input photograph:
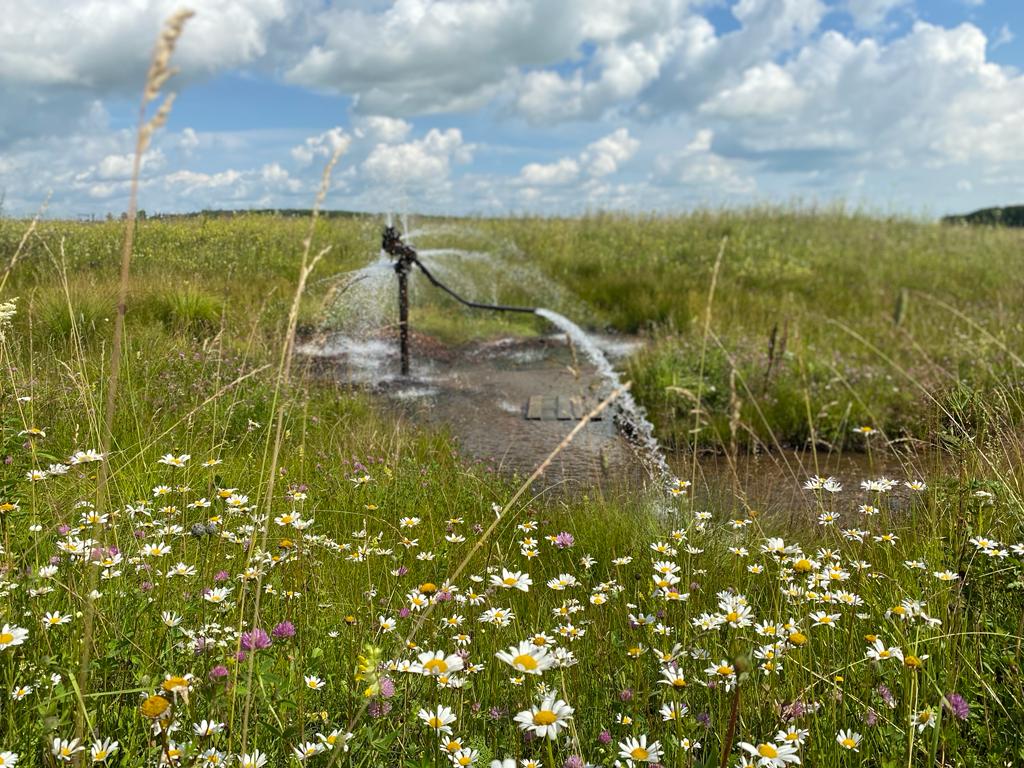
(725, 669)
(767, 750)
(453, 746)
(849, 743)
(732, 616)
(639, 753)
(539, 640)
(510, 581)
(465, 760)
(435, 722)
(428, 587)
(6, 637)
(155, 706)
(544, 717)
(798, 638)
(436, 666)
(524, 661)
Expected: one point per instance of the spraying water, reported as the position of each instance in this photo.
(631, 415)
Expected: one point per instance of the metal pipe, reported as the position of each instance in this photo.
(405, 257)
(403, 318)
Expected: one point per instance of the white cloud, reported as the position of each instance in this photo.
(119, 167)
(1003, 37)
(564, 171)
(421, 56)
(418, 164)
(698, 166)
(322, 146)
(764, 91)
(604, 156)
(59, 56)
(869, 14)
(378, 128)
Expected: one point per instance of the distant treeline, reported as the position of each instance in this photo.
(1008, 216)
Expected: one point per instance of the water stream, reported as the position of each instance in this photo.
(630, 415)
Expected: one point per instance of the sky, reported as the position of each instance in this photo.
(509, 107)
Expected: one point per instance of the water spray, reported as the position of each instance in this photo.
(405, 257)
(630, 416)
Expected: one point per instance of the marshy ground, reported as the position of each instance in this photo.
(270, 570)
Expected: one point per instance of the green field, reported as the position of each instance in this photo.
(275, 591)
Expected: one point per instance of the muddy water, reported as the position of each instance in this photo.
(773, 482)
(479, 394)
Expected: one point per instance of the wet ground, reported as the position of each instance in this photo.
(480, 393)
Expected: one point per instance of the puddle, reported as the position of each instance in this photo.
(479, 394)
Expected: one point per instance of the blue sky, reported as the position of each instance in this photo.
(521, 106)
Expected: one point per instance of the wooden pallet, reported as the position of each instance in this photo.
(557, 408)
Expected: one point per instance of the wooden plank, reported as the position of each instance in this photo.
(535, 408)
(564, 408)
(559, 408)
(578, 411)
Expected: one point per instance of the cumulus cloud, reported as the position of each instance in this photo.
(323, 146)
(698, 166)
(604, 156)
(57, 57)
(600, 158)
(422, 56)
(379, 128)
(564, 171)
(868, 14)
(420, 163)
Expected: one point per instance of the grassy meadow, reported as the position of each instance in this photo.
(266, 568)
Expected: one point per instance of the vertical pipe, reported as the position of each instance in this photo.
(403, 317)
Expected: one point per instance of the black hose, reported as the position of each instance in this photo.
(474, 304)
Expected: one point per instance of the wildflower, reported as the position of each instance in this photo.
(956, 705)
(795, 736)
(8, 759)
(313, 682)
(255, 759)
(11, 636)
(207, 728)
(330, 740)
(174, 461)
(65, 750)
(435, 663)
(103, 749)
(822, 619)
(724, 672)
(512, 580)
(440, 719)
(465, 757)
(283, 630)
(546, 720)
(772, 755)
(306, 750)
(848, 739)
(256, 640)
(527, 657)
(55, 619)
(925, 718)
(639, 751)
(155, 707)
(878, 651)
